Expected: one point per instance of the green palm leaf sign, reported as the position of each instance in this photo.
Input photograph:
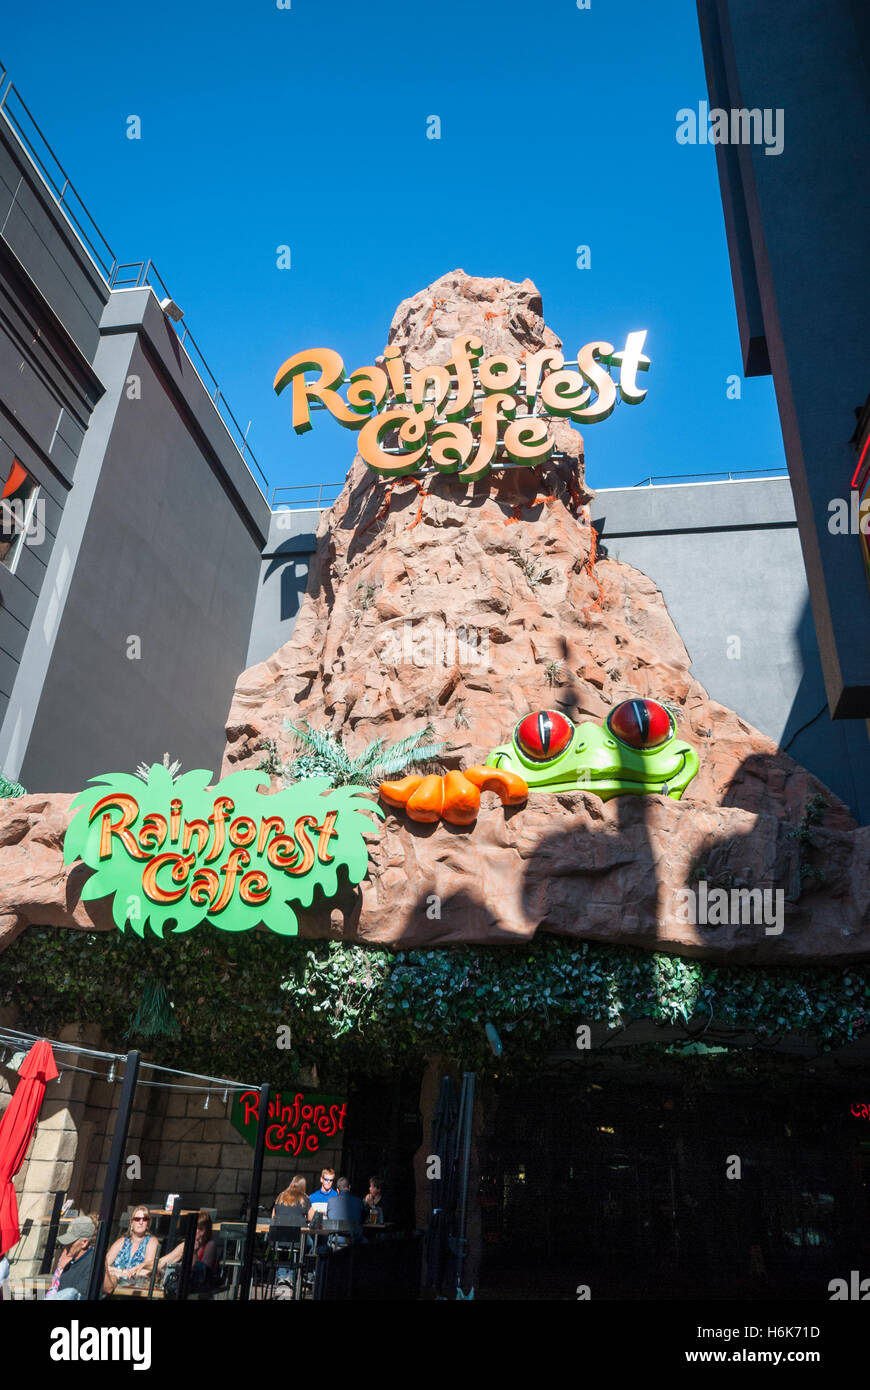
(184, 852)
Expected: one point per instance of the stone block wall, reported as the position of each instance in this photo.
(182, 1146)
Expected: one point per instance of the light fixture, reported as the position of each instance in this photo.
(111, 1075)
(171, 309)
(206, 1101)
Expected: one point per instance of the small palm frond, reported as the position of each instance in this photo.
(144, 770)
(326, 757)
(368, 758)
(322, 743)
(409, 752)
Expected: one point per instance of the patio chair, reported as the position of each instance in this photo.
(220, 1280)
(232, 1234)
(262, 1280)
(284, 1249)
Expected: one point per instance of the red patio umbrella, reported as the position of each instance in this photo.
(16, 1128)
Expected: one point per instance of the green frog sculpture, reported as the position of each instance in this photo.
(636, 752)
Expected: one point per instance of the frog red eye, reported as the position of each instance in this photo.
(543, 736)
(641, 723)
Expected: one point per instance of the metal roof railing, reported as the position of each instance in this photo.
(735, 475)
(317, 495)
(130, 275)
(56, 178)
(320, 495)
(116, 274)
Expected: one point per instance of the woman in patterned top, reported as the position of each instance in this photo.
(131, 1259)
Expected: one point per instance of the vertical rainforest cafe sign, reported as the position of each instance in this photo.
(186, 852)
(470, 415)
(295, 1126)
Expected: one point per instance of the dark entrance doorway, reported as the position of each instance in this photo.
(618, 1180)
(383, 1132)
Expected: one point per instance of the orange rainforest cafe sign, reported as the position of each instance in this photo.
(459, 416)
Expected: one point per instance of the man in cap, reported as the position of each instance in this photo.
(73, 1272)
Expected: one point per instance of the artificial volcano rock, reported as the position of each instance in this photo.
(467, 607)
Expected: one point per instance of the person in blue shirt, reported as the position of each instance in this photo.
(344, 1206)
(320, 1200)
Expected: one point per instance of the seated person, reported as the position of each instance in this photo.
(291, 1205)
(320, 1200)
(344, 1206)
(290, 1209)
(203, 1262)
(374, 1201)
(72, 1272)
(131, 1259)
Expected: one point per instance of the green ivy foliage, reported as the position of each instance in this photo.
(358, 1011)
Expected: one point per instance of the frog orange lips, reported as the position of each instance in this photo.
(455, 796)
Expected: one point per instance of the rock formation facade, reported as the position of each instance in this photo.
(466, 607)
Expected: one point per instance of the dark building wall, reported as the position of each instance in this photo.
(159, 553)
(51, 301)
(797, 231)
(47, 248)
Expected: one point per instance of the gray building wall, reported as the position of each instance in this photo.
(727, 559)
(51, 301)
(122, 632)
(282, 581)
(139, 638)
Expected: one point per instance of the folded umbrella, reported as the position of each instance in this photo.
(16, 1130)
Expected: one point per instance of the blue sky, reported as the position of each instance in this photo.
(307, 127)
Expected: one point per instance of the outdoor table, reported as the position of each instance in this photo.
(158, 1212)
(128, 1291)
(261, 1227)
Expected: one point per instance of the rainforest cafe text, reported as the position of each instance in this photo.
(219, 834)
(457, 417)
(296, 1128)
